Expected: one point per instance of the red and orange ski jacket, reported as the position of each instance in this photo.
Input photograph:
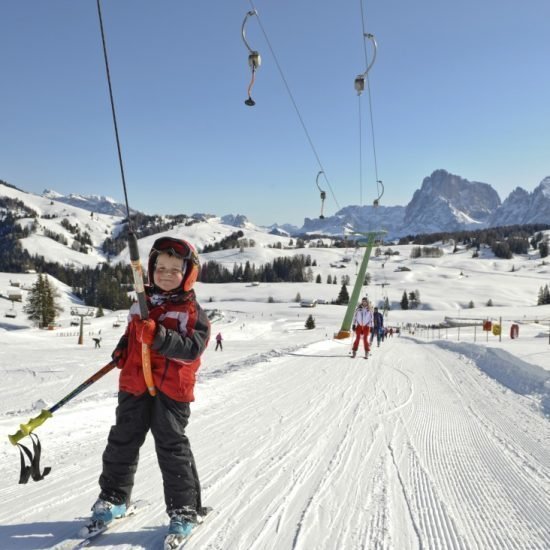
(183, 330)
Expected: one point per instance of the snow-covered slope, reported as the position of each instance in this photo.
(441, 439)
(297, 445)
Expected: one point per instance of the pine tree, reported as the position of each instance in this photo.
(544, 296)
(310, 322)
(343, 296)
(99, 312)
(298, 298)
(35, 300)
(41, 307)
(413, 300)
(404, 301)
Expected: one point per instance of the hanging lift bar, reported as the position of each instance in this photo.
(360, 79)
(376, 201)
(254, 58)
(323, 195)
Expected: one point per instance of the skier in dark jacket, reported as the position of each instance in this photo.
(177, 332)
(377, 327)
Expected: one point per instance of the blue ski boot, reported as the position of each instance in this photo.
(103, 511)
(182, 521)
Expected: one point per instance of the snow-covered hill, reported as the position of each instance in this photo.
(438, 440)
(93, 203)
(65, 221)
(444, 202)
(441, 439)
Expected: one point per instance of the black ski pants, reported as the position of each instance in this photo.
(167, 420)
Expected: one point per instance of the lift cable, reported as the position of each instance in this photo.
(294, 104)
(369, 92)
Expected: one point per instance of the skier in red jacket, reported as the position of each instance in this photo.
(177, 332)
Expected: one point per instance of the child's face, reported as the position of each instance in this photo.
(168, 273)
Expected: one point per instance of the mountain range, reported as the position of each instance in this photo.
(445, 202)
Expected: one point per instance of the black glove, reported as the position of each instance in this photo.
(353, 328)
(120, 353)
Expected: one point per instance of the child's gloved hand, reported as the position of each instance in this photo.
(119, 356)
(145, 331)
(353, 328)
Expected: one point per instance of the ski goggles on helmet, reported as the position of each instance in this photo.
(175, 247)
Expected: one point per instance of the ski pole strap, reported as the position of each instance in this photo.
(33, 469)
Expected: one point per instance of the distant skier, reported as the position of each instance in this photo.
(219, 341)
(377, 327)
(97, 342)
(177, 332)
(362, 324)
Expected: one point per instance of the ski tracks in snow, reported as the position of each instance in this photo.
(410, 449)
(414, 448)
(474, 476)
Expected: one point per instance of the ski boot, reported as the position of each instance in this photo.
(182, 522)
(103, 513)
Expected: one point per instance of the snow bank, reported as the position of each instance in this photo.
(509, 370)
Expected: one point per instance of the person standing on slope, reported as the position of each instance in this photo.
(177, 332)
(377, 327)
(362, 324)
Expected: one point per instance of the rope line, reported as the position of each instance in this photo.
(105, 57)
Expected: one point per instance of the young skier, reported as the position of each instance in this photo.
(362, 324)
(219, 341)
(177, 332)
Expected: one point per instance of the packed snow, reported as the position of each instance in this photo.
(440, 439)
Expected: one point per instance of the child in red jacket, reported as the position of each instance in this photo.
(177, 332)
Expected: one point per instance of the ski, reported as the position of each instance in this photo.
(86, 534)
(177, 542)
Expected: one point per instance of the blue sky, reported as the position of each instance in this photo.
(463, 86)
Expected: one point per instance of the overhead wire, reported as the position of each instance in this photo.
(113, 113)
(294, 104)
(369, 93)
(301, 119)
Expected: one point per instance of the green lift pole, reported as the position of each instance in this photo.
(346, 324)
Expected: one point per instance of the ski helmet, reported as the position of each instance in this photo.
(181, 249)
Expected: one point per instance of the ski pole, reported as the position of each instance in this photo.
(33, 423)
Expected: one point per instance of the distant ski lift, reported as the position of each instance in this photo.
(118, 321)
